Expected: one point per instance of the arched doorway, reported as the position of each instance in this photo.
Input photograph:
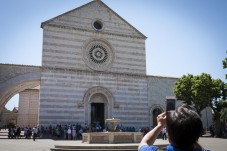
(98, 105)
(155, 110)
(155, 113)
(97, 114)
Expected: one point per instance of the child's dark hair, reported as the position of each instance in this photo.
(184, 127)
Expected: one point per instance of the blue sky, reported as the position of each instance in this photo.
(183, 36)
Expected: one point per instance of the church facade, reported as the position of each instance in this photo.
(94, 68)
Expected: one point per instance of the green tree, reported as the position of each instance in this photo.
(224, 62)
(198, 90)
(202, 91)
(223, 115)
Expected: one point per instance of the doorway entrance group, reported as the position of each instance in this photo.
(97, 114)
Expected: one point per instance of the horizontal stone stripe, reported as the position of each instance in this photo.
(129, 97)
(50, 37)
(135, 123)
(123, 118)
(73, 23)
(130, 46)
(81, 20)
(70, 43)
(59, 52)
(121, 95)
(54, 117)
(122, 86)
(132, 108)
(65, 90)
(68, 25)
(89, 75)
(59, 112)
(60, 45)
(75, 110)
(69, 33)
(57, 99)
(62, 64)
(118, 94)
(84, 84)
(132, 104)
(56, 51)
(126, 70)
(117, 67)
(66, 58)
(133, 99)
(125, 122)
(53, 99)
(122, 32)
(120, 28)
(63, 117)
(131, 63)
(59, 95)
(63, 32)
(64, 61)
(125, 40)
(77, 55)
(66, 120)
(131, 122)
(138, 61)
(86, 23)
(135, 60)
(114, 30)
(86, 75)
(62, 101)
(120, 98)
(129, 52)
(63, 42)
(46, 123)
(59, 106)
(132, 113)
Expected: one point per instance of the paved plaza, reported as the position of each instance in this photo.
(214, 144)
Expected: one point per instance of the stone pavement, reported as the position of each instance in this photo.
(214, 144)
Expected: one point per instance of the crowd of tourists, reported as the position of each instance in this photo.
(59, 131)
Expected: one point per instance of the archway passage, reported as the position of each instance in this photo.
(156, 112)
(92, 99)
(17, 84)
(97, 114)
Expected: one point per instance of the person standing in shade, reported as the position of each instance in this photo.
(164, 133)
(184, 127)
(34, 132)
(69, 132)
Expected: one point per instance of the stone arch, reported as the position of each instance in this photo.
(154, 111)
(17, 84)
(107, 99)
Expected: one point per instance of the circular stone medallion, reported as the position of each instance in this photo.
(98, 55)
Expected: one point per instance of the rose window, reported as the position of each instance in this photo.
(98, 55)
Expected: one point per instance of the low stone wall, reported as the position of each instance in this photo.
(112, 137)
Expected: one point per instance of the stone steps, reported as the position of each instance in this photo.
(89, 147)
(3, 134)
(95, 148)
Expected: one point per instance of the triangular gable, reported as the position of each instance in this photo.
(82, 17)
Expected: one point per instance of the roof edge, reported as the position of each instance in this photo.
(46, 22)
